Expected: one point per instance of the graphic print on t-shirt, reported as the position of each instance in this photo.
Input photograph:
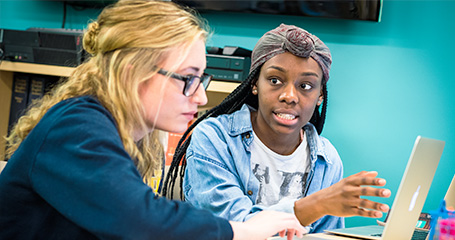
(292, 185)
(289, 185)
(282, 178)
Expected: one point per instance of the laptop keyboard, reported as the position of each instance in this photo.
(417, 235)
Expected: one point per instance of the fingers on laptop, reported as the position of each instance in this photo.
(367, 204)
(371, 191)
(366, 178)
(368, 213)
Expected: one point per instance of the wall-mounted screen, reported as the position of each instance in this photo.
(367, 10)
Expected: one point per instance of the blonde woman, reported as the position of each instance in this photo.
(83, 160)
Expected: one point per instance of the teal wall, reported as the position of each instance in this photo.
(390, 81)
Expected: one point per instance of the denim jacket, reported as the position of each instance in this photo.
(218, 175)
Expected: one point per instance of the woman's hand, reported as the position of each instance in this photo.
(343, 199)
(266, 224)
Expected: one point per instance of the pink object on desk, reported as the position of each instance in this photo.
(447, 229)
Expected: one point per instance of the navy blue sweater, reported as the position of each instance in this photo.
(71, 178)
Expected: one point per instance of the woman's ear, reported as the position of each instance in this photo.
(321, 98)
(254, 90)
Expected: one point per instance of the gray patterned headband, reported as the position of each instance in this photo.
(289, 38)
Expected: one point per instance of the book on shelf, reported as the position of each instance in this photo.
(39, 85)
(19, 97)
(27, 88)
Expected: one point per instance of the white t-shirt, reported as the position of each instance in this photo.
(281, 177)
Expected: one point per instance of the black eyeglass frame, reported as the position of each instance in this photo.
(188, 79)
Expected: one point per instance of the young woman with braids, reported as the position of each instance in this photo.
(79, 160)
(274, 120)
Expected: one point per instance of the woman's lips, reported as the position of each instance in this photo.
(189, 115)
(285, 118)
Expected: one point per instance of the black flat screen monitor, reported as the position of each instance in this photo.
(367, 10)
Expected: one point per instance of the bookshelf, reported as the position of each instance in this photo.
(216, 91)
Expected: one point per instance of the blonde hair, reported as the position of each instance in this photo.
(125, 42)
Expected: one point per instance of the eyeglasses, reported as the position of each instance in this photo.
(192, 82)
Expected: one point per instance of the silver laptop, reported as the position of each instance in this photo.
(450, 195)
(411, 195)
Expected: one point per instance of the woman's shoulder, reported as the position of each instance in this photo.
(233, 123)
(83, 106)
(78, 112)
(327, 144)
(330, 151)
(212, 126)
(322, 145)
(78, 102)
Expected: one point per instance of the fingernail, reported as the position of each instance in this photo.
(386, 192)
(381, 181)
(384, 208)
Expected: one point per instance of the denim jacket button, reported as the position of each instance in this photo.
(247, 136)
(250, 192)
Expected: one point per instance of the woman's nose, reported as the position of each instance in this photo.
(200, 96)
(289, 94)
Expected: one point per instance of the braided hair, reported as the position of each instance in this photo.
(233, 102)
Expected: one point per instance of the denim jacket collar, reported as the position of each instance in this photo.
(240, 121)
(240, 124)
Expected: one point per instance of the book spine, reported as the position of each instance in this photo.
(36, 89)
(19, 98)
(39, 86)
